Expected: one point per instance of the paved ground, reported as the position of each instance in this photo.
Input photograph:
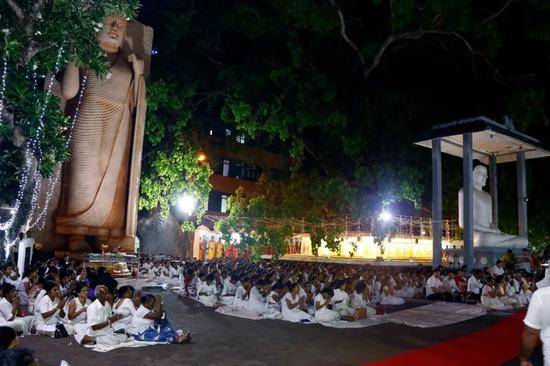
(222, 340)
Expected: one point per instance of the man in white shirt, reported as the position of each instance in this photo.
(497, 269)
(474, 285)
(435, 290)
(537, 324)
(99, 318)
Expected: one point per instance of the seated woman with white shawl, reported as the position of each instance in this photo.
(149, 323)
(11, 313)
(340, 301)
(292, 305)
(77, 309)
(229, 290)
(360, 298)
(124, 306)
(256, 300)
(49, 311)
(208, 292)
(388, 297)
(273, 303)
(241, 294)
(322, 303)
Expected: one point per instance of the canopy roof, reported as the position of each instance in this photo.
(488, 138)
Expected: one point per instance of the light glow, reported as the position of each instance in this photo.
(385, 216)
(186, 203)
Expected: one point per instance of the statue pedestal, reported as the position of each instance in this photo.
(483, 256)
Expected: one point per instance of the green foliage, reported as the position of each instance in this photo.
(32, 41)
(269, 219)
(170, 165)
(281, 72)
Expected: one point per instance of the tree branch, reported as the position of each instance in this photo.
(344, 34)
(17, 9)
(414, 35)
(491, 17)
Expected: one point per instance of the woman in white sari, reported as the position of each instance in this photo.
(292, 305)
(322, 303)
(124, 306)
(76, 310)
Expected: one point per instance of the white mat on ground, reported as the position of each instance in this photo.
(130, 344)
(368, 322)
(139, 283)
(436, 315)
(238, 312)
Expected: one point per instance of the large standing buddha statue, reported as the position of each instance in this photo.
(101, 180)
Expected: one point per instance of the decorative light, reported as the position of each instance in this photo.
(201, 156)
(3, 84)
(385, 216)
(41, 218)
(32, 145)
(186, 203)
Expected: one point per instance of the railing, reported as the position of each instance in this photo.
(408, 226)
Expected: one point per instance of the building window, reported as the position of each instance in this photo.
(223, 208)
(225, 170)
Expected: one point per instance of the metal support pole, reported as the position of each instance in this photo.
(493, 182)
(522, 194)
(437, 202)
(468, 198)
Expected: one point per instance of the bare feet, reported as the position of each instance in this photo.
(184, 338)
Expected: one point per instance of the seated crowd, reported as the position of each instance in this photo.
(61, 298)
(301, 291)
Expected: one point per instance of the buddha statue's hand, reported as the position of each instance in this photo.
(138, 65)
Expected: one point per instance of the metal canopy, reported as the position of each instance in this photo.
(489, 138)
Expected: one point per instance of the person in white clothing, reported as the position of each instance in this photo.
(273, 303)
(474, 286)
(50, 311)
(229, 290)
(490, 298)
(322, 303)
(125, 307)
(77, 308)
(256, 300)
(99, 319)
(497, 269)
(340, 301)
(10, 311)
(435, 289)
(360, 298)
(241, 294)
(537, 324)
(149, 323)
(292, 304)
(208, 292)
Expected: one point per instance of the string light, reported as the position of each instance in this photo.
(3, 85)
(32, 145)
(41, 218)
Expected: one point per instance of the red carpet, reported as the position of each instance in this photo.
(492, 346)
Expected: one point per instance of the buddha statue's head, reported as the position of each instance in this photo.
(480, 177)
(112, 35)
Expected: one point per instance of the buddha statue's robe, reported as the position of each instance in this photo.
(100, 181)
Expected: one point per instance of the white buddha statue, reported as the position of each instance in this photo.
(485, 235)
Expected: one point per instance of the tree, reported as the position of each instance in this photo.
(37, 40)
(281, 209)
(345, 86)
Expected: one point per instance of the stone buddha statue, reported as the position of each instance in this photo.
(485, 234)
(101, 179)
